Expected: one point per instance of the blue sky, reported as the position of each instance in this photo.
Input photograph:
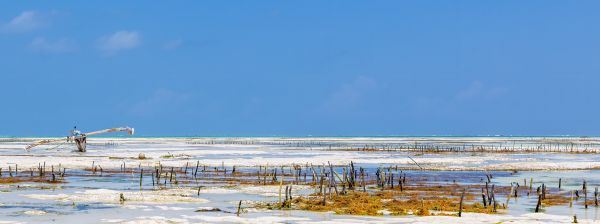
(264, 68)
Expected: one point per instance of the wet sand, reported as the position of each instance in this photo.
(91, 195)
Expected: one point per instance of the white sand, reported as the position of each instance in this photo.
(467, 218)
(127, 150)
(168, 196)
(156, 204)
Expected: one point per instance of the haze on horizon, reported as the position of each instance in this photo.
(301, 68)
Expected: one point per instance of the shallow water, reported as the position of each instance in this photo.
(16, 203)
(88, 197)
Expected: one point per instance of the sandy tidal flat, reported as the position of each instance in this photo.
(87, 195)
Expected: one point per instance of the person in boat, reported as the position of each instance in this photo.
(75, 132)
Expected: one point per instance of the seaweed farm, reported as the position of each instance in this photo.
(302, 180)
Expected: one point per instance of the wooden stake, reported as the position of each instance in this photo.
(559, 183)
(280, 188)
(461, 203)
(539, 203)
(141, 177)
(571, 201)
(239, 208)
(482, 197)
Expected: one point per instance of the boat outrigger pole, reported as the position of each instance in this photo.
(80, 139)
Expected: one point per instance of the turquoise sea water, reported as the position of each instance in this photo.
(310, 136)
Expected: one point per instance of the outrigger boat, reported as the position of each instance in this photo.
(79, 138)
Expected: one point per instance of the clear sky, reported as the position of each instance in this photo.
(263, 68)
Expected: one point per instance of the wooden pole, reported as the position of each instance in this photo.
(571, 201)
(482, 198)
(141, 177)
(461, 203)
(559, 183)
(539, 203)
(585, 194)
